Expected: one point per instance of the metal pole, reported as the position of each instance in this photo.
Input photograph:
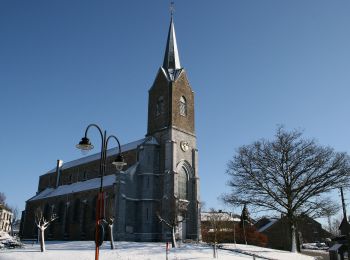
(245, 237)
(343, 202)
(100, 204)
(345, 220)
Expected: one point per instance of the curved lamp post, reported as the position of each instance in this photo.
(85, 145)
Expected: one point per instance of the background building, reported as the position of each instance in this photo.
(5, 218)
(161, 176)
(278, 233)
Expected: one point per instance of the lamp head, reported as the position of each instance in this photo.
(84, 144)
(119, 162)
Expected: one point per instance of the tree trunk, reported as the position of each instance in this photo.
(173, 240)
(215, 252)
(11, 225)
(294, 242)
(111, 236)
(234, 233)
(42, 240)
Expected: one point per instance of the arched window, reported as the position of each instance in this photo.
(183, 106)
(160, 106)
(182, 183)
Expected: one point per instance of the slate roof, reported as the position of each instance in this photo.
(110, 152)
(91, 184)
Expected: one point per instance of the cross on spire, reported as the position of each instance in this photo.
(171, 57)
(172, 8)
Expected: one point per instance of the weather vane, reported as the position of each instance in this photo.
(172, 8)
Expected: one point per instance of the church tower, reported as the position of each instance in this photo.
(171, 123)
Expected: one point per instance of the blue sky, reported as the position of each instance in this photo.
(252, 64)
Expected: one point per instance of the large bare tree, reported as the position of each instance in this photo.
(288, 174)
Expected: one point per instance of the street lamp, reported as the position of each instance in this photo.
(85, 145)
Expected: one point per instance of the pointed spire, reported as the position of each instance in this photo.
(171, 57)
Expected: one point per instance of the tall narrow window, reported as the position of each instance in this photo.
(93, 208)
(76, 213)
(182, 184)
(160, 106)
(183, 106)
(60, 212)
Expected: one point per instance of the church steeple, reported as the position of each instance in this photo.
(171, 99)
(171, 56)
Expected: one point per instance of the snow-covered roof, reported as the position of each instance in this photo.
(75, 187)
(263, 228)
(110, 152)
(224, 216)
(91, 184)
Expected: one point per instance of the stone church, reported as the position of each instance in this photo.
(160, 177)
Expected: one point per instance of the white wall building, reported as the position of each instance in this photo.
(5, 218)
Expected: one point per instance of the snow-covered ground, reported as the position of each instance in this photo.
(267, 252)
(84, 250)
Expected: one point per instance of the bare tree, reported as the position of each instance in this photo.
(14, 218)
(42, 224)
(329, 212)
(289, 175)
(110, 222)
(2, 198)
(177, 216)
(218, 221)
(335, 224)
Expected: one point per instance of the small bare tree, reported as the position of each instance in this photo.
(218, 221)
(329, 212)
(335, 224)
(42, 224)
(14, 218)
(110, 222)
(177, 216)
